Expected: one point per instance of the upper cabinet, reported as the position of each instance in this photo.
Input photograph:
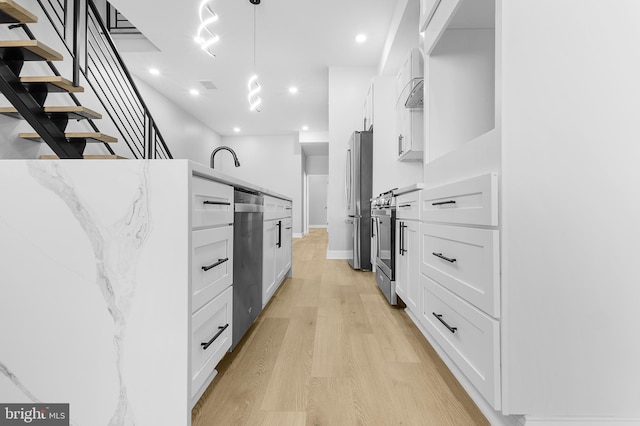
(409, 115)
(367, 112)
(427, 8)
(460, 78)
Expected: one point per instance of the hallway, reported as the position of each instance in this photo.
(329, 350)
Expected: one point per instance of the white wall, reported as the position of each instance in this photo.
(347, 90)
(273, 162)
(317, 164)
(317, 186)
(388, 173)
(186, 136)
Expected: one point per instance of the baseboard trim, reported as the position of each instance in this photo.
(339, 254)
(298, 235)
(494, 417)
(318, 226)
(580, 421)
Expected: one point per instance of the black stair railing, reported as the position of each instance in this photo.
(87, 38)
(56, 72)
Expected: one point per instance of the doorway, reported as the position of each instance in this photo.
(317, 186)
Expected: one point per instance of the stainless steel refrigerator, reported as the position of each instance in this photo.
(358, 182)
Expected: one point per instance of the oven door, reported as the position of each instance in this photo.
(385, 232)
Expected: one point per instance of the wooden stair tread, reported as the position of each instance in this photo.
(33, 50)
(89, 136)
(87, 157)
(13, 13)
(55, 83)
(74, 112)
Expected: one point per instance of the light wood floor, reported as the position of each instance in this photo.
(329, 350)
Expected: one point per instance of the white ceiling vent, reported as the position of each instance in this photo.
(208, 85)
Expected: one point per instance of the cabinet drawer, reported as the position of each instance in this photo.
(408, 205)
(212, 263)
(205, 325)
(471, 202)
(211, 203)
(468, 336)
(465, 261)
(276, 208)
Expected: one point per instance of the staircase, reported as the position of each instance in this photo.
(28, 94)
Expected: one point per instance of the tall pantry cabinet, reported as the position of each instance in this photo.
(544, 95)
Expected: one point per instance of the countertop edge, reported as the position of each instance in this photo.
(407, 189)
(208, 173)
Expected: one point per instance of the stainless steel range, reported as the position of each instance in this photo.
(383, 216)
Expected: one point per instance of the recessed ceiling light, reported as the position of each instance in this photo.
(293, 90)
(361, 38)
(154, 71)
(305, 128)
(194, 92)
(236, 129)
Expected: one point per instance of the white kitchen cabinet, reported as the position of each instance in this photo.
(408, 250)
(409, 121)
(568, 262)
(277, 236)
(367, 110)
(427, 8)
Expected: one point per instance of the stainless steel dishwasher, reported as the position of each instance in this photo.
(247, 261)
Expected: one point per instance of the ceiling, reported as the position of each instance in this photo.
(296, 43)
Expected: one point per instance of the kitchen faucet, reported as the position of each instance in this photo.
(235, 157)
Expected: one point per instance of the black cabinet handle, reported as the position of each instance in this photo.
(221, 329)
(288, 227)
(404, 205)
(217, 203)
(288, 208)
(444, 257)
(443, 202)
(279, 225)
(439, 316)
(402, 249)
(219, 262)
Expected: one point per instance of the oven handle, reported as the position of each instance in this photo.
(377, 234)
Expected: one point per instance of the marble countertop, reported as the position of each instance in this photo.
(209, 173)
(410, 188)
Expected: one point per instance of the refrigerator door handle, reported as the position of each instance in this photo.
(347, 179)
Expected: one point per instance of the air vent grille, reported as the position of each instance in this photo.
(208, 85)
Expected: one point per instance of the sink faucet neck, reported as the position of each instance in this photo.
(226, 148)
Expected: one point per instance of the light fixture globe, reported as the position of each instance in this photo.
(206, 37)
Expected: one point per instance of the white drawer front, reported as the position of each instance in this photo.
(465, 261)
(408, 206)
(206, 324)
(211, 203)
(471, 202)
(276, 208)
(212, 263)
(472, 342)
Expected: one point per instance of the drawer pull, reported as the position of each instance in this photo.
(439, 316)
(443, 257)
(219, 262)
(404, 205)
(221, 329)
(440, 203)
(288, 227)
(287, 208)
(217, 203)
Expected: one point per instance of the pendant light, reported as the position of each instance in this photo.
(206, 37)
(253, 85)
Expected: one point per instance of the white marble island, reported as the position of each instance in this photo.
(96, 303)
